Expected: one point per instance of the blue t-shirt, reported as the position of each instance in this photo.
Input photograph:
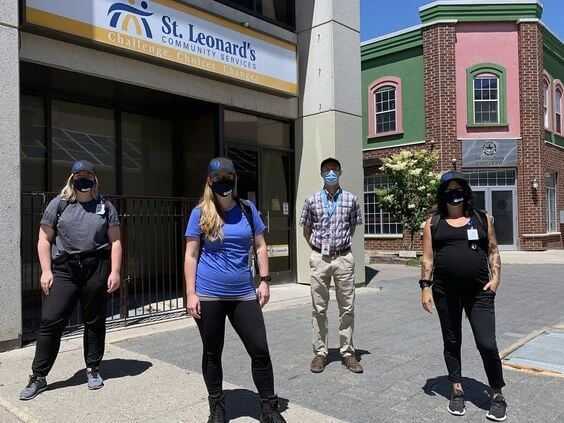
(223, 268)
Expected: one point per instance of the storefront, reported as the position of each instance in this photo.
(150, 91)
(479, 84)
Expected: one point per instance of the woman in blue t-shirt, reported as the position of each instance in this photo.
(219, 283)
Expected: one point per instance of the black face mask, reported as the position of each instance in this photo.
(83, 184)
(455, 197)
(223, 187)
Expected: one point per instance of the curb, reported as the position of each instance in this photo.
(17, 412)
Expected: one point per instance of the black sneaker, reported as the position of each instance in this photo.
(456, 405)
(498, 409)
(35, 386)
(217, 409)
(270, 412)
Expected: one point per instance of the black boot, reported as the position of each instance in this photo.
(217, 408)
(269, 411)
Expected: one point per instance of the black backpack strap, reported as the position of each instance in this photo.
(248, 212)
(60, 210)
(435, 217)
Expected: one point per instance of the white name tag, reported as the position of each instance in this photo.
(473, 234)
(100, 208)
(325, 249)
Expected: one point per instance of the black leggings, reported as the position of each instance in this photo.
(247, 320)
(75, 279)
(479, 307)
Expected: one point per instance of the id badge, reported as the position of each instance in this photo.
(325, 249)
(100, 208)
(473, 234)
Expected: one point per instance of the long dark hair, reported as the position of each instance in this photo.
(468, 204)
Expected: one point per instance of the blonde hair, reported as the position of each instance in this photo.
(211, 217)
(68, 193)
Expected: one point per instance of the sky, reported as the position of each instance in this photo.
(379, 17)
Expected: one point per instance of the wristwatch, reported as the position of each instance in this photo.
(267, 278)
(425, 283)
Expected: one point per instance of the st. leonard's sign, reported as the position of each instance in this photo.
(175, 32)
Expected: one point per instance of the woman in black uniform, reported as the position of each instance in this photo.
(80, 253)
(461, 270)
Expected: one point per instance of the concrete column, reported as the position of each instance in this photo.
(330, 113)
(10, 263)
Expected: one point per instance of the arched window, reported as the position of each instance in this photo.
(546, 102)
(558, 107)
(384, 107)
(486, 95)
(385, 98)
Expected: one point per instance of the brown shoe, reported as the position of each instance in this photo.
(351, 363)
(318, 363)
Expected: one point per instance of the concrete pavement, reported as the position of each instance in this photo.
(153, 372)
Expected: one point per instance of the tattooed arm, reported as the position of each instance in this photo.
(427, 259)
(427, 267)
(493, 258)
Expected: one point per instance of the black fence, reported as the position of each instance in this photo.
(152, 283)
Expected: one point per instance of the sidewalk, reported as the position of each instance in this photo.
(134, 382)
(153, 372)
(533, 257)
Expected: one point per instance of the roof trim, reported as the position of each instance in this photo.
(475, 2)
(391, 34)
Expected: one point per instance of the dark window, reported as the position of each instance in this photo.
(33, 144)
(277, 11)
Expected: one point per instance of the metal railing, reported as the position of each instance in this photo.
(152, 230)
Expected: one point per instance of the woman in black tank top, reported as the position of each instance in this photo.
(461, 271)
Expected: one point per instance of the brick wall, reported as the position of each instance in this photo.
(440, 92)
(440, 114)
(553, 161)
(530, 155)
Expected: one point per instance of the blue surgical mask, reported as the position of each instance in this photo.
(331, 178)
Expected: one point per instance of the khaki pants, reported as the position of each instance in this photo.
(341, 269)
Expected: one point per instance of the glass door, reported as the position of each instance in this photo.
(276, 211)
(264, 179)
(499, 202)
(502, 210)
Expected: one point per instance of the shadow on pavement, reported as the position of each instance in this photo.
(475, 392)
(370, 274)
(109, 369)
(245, 403)
(335, 355)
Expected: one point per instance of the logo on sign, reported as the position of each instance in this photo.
(128, 14)
(489, 150)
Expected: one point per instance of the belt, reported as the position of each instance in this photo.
(103, 253)
(337, 253)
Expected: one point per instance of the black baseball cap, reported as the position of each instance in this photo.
(83, 166)
(220, 164)
(452, 175)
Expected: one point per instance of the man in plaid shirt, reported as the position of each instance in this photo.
(329, 218)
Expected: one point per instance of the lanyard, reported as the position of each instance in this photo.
(330, 207)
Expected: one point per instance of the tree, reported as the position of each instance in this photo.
(412, 187)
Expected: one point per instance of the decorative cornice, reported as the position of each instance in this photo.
(480, 2)
(552, 43)
(481, 11)
(392, 43)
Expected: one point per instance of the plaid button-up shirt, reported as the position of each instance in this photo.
(338, 228)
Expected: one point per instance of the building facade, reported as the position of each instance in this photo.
(478, 83)
(150, 91)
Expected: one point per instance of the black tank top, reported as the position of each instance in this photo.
(458, 261)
